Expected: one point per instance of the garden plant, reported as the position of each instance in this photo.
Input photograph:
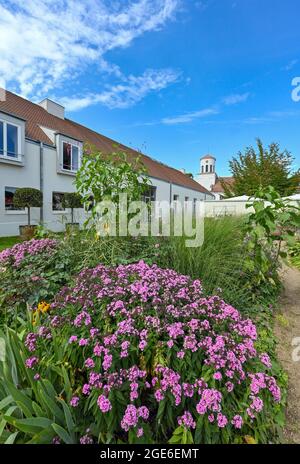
(137, 354)
(142, 340)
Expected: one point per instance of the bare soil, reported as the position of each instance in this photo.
(287, 327)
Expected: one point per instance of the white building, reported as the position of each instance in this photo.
(209, 179)
(40, 148)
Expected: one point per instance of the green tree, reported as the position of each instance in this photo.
(259, 167)
(273, 222)
(106, 176)
(28, 198)
(72, 200)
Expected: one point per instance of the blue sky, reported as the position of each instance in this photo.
(173, 78)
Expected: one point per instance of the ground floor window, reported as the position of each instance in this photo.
(194, 205)
(149, 194)
(57, 201)
(9, 193)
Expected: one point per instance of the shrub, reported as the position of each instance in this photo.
(72, 200)
(36, 269)
(31, 271)
(105, 177)
(140, 355)
(18, 253)
(28, 198)
(294, 252)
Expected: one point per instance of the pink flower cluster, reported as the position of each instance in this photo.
(16, 254)
(151, 336)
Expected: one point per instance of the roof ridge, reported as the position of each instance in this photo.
(136, 151)
(37, 117)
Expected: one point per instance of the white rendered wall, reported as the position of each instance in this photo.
(28, 175)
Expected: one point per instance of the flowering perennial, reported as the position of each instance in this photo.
(16, 254)
(147, 352)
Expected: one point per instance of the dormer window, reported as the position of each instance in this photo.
(70, 157)
(10, 144)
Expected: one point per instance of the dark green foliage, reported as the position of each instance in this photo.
(273, 222)
(28, 198)
(72, 200)
(104, 177)
(258, 168)
(294, 252)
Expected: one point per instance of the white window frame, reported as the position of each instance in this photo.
(5, 155)
(78, 146)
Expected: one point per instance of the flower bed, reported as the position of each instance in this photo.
(29, 272)
(16, 254)
(148, 359)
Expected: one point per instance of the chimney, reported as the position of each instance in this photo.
(53, 108)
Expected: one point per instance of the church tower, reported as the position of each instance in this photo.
(207, 176)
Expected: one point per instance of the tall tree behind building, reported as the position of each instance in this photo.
(261, 166)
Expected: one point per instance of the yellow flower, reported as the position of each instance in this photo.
(43, 307)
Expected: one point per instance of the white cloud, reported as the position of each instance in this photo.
(290, 65)
(272, 116)
(188, 117)
(236, 98)
(46, 44)
(125, 94)
(230, 100)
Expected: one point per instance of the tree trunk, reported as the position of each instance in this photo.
(28, 215)
(72, 215)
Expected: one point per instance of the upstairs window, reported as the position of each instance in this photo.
(9, 140)
(1, 139)
(12, 140)
(70, 160)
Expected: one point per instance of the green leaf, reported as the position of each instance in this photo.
(30, 426)
(11, 438)
(199, 430)
(6, 401)
(37, 409)
(43, 437)
(21, 399)
(3, 422)
(63, 434)
(69, 419)
(51, 405)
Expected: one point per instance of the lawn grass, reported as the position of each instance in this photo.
(6, 242)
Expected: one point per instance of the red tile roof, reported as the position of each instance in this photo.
(36, 116)
(208, 157)
(218, 187)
